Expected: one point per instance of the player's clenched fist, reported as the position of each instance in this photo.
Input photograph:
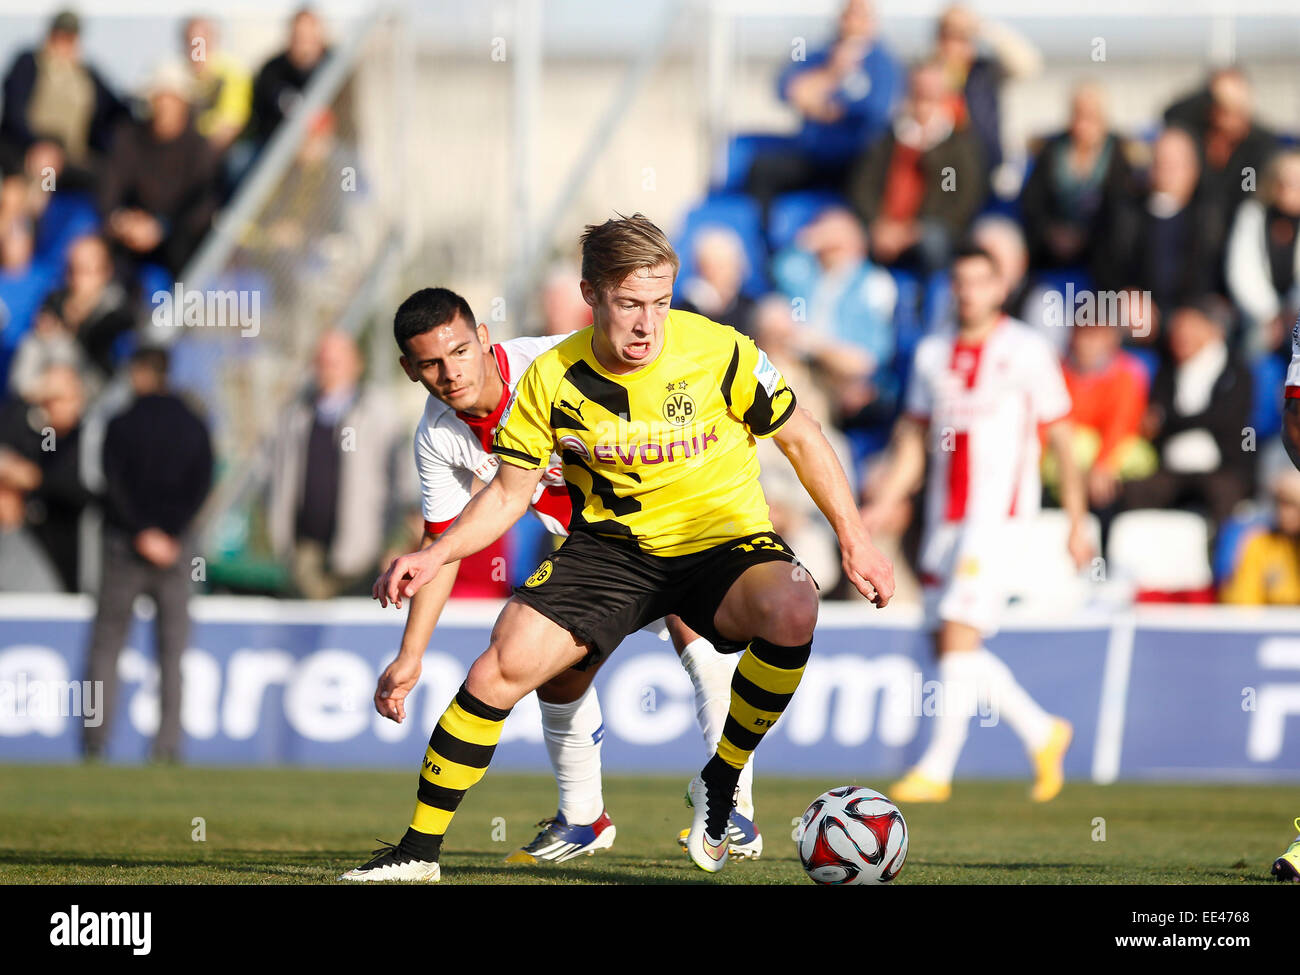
(404, 578)
(870, 572)
(395, 683)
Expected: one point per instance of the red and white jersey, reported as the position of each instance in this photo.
(1293, 371)
(984, 404)
(453, 450)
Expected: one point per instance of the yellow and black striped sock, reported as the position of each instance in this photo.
(459, 751)
(762, 686)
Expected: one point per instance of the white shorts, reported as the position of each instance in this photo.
(962, 575)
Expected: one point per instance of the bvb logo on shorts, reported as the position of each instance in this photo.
(679, 409)
(540, 575)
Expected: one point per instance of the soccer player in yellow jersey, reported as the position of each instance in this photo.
(654, 414)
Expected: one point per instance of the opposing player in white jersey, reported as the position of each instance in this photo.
(469, 381)
(981, 392)
(1291, 407)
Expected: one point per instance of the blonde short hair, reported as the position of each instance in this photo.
(616, 248)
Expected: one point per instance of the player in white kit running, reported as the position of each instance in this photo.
(981, 392)
(470, 381)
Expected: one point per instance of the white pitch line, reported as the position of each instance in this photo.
(1109, 744)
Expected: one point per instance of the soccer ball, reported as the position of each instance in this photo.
(852, 835)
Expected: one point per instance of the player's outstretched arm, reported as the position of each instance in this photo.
(484, 520)
(1074, 497)
(813, 459)
(399, 677)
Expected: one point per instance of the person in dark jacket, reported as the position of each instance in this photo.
(976, 77)
(158, 194)
(280, 83)
(46, 434)
(79, 323)
(157, 461)
(1170, 242)
(845, 94)
(50, 92)
(1232, 145)
(1198, 408)
(1079, 177)
(919, 186)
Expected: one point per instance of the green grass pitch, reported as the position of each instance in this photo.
(127, 824)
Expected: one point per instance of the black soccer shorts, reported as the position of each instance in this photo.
(601, 588)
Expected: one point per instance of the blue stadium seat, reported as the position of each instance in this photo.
(741, 151)
(1232, 537)
(734, 211)
(1269, 375)
(152, 278)
(922, 306)
(69, 215)
(792, 212)
(1149, 358)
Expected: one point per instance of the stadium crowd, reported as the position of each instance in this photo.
(1164, 266)
(105, 196)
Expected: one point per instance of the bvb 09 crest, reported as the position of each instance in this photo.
(542, 573)
(679, 409)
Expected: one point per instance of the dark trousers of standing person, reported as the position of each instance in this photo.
(1215, 492)
(125, 576)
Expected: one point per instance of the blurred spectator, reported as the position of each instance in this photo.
(563, 308)
(1139, 322)
(50, 92)
(24, 281)
(24, 566)
(1263, 262)
(845, 94)
(919, 186)
(779, 336)
(1170, 243)
(158, 193)
(1002, 238)
(1108, 393)
(1268, 570)
(46, 434)
(61, 213)
(1079, 177)
(79, 324)
(714, 289)
(1233, 149)
(279, 85)
(335, 477)
(1199, 405)
(223, 88)
(849, 307)
(979, 77)
(157, 462)
(794, 514)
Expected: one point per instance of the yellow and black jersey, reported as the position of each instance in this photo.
(664, 456)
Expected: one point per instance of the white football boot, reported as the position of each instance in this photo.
(389, 863)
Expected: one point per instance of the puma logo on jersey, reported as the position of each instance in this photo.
(575, 410)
